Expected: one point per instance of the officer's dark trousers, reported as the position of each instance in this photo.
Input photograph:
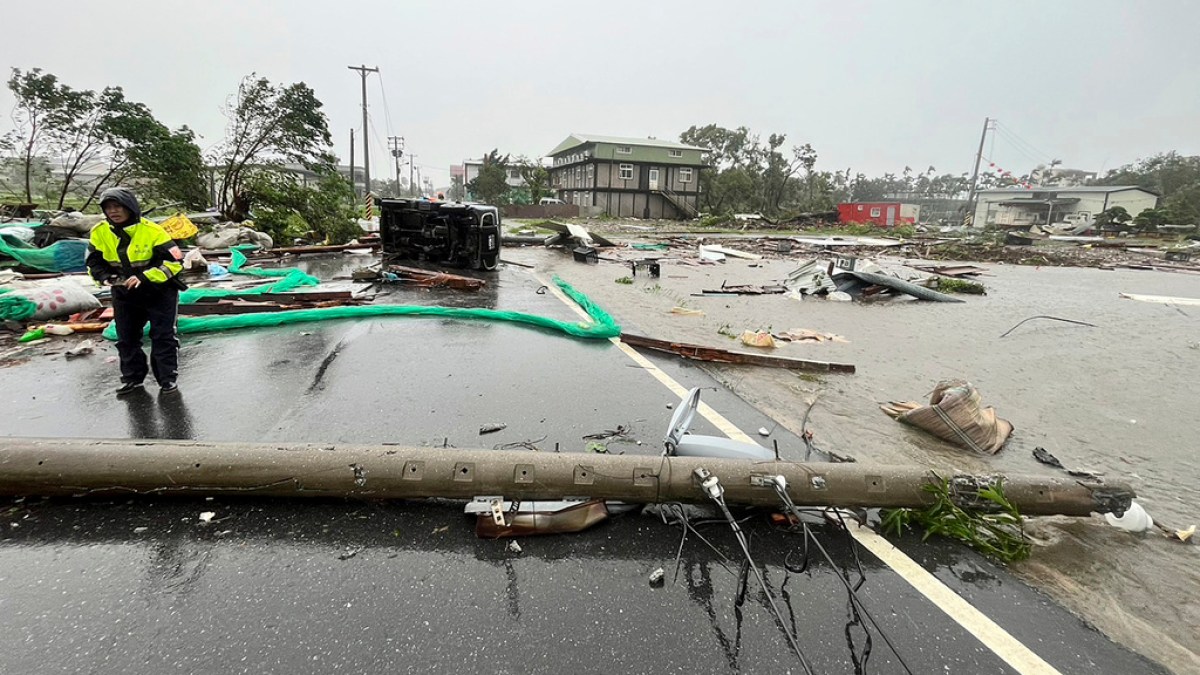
(132, 309)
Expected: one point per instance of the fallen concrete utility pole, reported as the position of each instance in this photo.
(717, 355)
(81, 467)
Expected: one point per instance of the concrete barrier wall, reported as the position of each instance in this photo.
(540, 211)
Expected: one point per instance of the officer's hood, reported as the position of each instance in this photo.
(126, 198)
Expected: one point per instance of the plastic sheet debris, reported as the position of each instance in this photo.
(179, 227)
(806, 335)
(1135, 519)
(1162, 299)
(730, 252)
(758, 339)
(956, 414)
(82, 349)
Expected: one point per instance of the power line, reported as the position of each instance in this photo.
(1025, 147)
(387, 113)
(1031, 146)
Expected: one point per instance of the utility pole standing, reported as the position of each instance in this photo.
(397, 143)
(363, 70)
(412, 186)
(987, 123)
(353, 182)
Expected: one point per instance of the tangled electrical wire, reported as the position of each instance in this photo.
(852, 576)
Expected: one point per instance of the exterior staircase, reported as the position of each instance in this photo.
(679, 203)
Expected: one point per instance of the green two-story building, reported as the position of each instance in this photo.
(628, 177)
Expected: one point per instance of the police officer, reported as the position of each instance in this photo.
(142, 263)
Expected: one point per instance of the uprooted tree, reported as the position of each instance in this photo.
(269, 127)
(97, 139)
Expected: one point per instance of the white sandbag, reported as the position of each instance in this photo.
(20, 232)
(56, 297)
(77, 221)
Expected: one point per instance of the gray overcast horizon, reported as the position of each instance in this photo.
(873, 86)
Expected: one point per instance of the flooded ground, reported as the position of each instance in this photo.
(1118, 399)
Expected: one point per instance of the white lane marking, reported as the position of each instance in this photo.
(1010, 650)
(717, 419)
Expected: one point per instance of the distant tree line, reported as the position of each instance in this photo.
(66, 145)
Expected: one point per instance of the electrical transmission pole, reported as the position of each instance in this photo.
(987, 123)
(412, 186)
(397, 144)
(363, 70)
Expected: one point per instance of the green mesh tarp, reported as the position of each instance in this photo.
(15, 307)
(65, 256)
(601, 326)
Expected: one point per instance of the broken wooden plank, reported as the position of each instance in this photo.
(306, 296)
(227, 307)
(416, 276)
(743, 289)
(717, 355)
(298, 250)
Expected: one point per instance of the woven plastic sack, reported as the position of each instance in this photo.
(956, 414)
(179, 227)
(55, 298)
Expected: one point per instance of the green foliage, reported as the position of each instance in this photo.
(1150, 219)
(286, 208)
(748, 175)
(491, 185)
(624, 280)
(996, 532)
(269, 126)
(1176, 177)
(170, 167)
(1112, 218)
(101, 139)
(537, 179)
(715, 220)
(947, 285)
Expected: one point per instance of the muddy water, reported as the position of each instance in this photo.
(1120, 398)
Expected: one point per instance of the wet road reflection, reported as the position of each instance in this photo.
(151, 416)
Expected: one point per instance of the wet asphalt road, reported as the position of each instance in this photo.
(141, 586)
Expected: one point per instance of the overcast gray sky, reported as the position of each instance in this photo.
(873, 86)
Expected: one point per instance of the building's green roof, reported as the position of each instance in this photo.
(583, 139)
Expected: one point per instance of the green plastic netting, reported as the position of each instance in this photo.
(601, 326)
(66, 256)
(15, 307)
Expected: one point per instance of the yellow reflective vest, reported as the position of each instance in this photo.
(148, 251)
